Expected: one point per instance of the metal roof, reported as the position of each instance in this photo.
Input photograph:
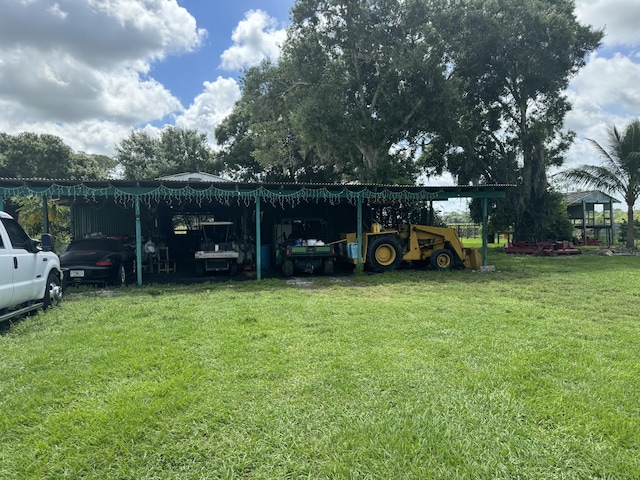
(150, 190)
(591, 196)
(194, 177)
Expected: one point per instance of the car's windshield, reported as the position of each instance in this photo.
(94, 244)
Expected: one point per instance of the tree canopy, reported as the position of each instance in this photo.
(387, 90)
(513, 61)
(32, 155)
(359, 89)
(141, 156)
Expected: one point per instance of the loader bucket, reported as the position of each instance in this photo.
(472, 259)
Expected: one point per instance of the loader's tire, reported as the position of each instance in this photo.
(441, 259)
(287, 268)
(384, 253)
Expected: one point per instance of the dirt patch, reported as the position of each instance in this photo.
(612, 251)
(309, 283)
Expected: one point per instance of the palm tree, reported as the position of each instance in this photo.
(620, 172)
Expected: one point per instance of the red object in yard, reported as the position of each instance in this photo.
(542, 248)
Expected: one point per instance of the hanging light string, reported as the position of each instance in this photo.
(276, 196)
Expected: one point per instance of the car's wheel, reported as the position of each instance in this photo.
(287, 268)
(121, 278)
(384, 253)
(441, 259)
(327, 266)
(52, 291)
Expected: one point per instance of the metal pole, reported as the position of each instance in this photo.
(45, 214)
(258, 240)
(359, 231)
(485, 209)
(138, 242)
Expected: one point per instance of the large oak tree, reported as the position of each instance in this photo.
(361, 88)
(514, 60)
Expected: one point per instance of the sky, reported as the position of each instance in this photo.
(90, 71)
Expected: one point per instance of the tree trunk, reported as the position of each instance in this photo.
(630, 226)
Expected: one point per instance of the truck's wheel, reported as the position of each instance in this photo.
(233, 268)
(384, 253)
(327, 266)
(52, 292)
(441, 259)
(287, 268)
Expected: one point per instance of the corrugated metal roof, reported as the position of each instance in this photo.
(228, 188)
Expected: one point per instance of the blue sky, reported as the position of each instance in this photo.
(90, 71)
(185, 74)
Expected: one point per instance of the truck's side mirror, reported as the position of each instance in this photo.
(46, 242)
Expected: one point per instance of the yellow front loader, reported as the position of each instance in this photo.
(437, 247)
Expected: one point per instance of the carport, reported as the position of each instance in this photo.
(138, 198)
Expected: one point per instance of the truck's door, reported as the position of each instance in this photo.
(27, 273)
(6, 270)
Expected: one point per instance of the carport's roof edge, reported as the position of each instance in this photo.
(228, 189)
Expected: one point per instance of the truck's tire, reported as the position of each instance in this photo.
(233, 268)
(384, 253)
(287, 268)
(441, 259)
(327, 266)
(53, 283)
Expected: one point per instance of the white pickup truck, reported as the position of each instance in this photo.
(29, 275)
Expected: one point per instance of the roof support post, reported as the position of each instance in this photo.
(138, 242)
(45, 213)
(584, 221)
(485, 209)
(258, 240)
(610, 224)
(359, 231)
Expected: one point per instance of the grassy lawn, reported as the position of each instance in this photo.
(530, 372)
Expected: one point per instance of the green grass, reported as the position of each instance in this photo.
(529, 372)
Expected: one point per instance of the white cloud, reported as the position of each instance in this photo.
(211, 107)
(255, 38)
(605, 93)
(69, 65)
(619, 18)
(91, 136)
(612, 83)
